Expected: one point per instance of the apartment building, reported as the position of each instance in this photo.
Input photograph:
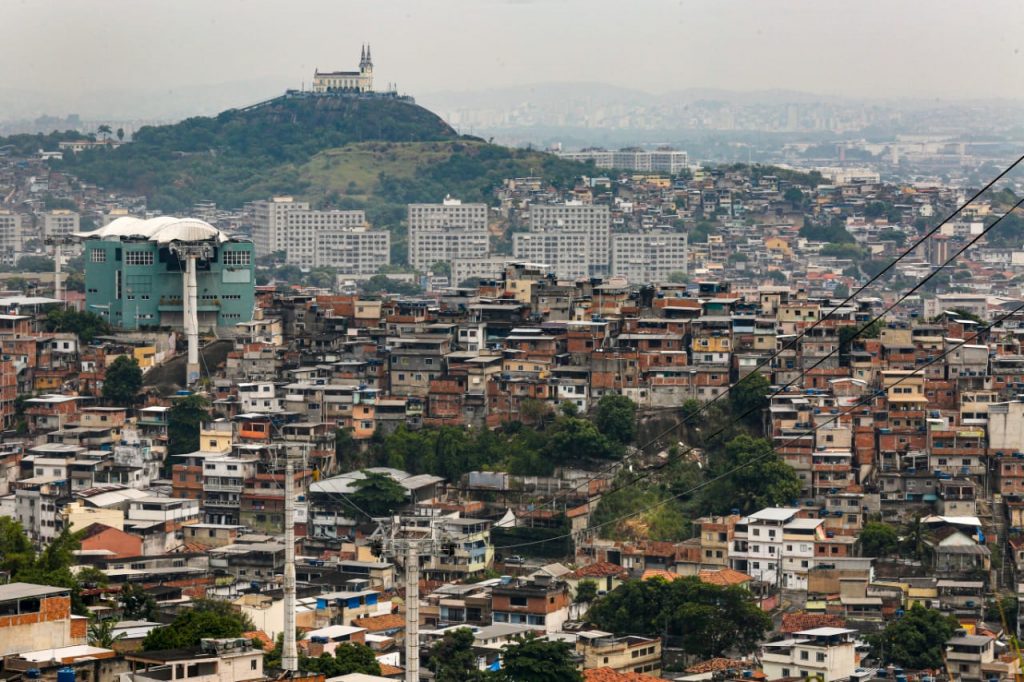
(628, 654)
(573, 238)
(649, 256)
(31, 615)
(827, 652)
(543, 602)
(660, 160)
(10, 236)
(311, 238)
(60, 223)
(446, 232)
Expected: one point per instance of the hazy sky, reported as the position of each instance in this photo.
(932, 48)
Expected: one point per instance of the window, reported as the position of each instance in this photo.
(252, 663)
(803, 656)
(138, 258)
(236, 258)
(98, 255)
(821, 657)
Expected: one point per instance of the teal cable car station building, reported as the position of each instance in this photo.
(135, 274)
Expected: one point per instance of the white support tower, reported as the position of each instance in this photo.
(57, 243)
(190, 252)
(389, 541)
(190, 299)
(412, 612)
(289, 654)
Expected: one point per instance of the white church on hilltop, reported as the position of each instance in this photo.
(347, 81)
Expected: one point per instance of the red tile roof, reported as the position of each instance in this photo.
(713, 664)
(801, 620)
(660, 573)
(723, 577)
(391, 621)
(601, 569)
(263, 638)
(609, 675)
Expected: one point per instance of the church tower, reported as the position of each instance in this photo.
(366, 70)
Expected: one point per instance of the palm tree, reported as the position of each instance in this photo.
(120, 134)
(101, 633)
(104, 130)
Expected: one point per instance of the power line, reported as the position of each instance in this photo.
(792, 343)
(863, 401)
(859, 331)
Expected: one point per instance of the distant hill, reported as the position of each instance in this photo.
(222, 158)
(377, 154)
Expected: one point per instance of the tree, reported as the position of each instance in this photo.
(101, 632)
(571, 440)
(136, 603)
(878, 539)
(677, 277)
(120, 134)
(442, 268)
(348, 658)
(84, 324)
(452, 659)
(749, 396)
(586, 592)
(52, 566)
(708, 620)
(537, 660)
(917, 640)
(104, 130)
(793, 195)
(616, 418)
(748, 475)
(122, 382)
(184, 419)
(206, 618)
(377, 494)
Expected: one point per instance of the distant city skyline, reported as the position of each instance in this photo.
(68, 53)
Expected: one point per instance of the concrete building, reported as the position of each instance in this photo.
(828, 652)
(649, 256)
(628, 654)
(31, 615)
(60, 223)
(446, 232)
(311, 239)
(767, 538)
(346, 81)
(134, 277)
(10, 236)
(573, 238)
(660, 160)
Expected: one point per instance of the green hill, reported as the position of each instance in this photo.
(224, 158)
(377, 154)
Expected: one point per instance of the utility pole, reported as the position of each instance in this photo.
(387, 542)
(289, 653)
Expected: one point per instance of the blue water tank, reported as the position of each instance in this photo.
(66, 675)
(32, 673)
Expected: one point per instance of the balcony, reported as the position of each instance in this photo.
(221, 502)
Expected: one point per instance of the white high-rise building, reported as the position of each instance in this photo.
(446, 232)
(659, 160)
(59, 223)
(10, 236)
(645, 257)
(310, 238)
(573, 238)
